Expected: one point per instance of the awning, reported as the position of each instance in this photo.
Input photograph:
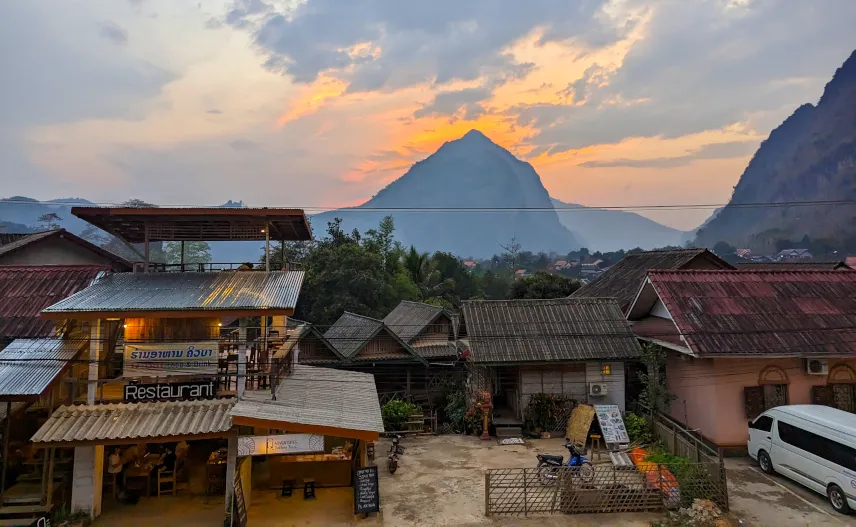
(317, 400)
(28, 367)
(135, 422)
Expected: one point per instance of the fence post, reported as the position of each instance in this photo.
(675, 440)
(525, 492)
(723, 476)
(660, 484)
(487, 493)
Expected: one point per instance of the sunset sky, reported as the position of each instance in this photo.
(321, 103)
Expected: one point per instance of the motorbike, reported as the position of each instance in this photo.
(395, 450)
(549, 465)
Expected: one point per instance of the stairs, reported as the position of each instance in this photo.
(508, 431)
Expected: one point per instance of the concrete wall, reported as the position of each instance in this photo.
(54, 251)
(572, 380)
(710, 392)
(87, 481)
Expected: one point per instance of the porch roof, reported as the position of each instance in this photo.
(562, 329)
(134, 422)
(28, 367)
(240, 293)
(317, 400)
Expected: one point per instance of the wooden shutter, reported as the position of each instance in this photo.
(822, 395)
(753, 401)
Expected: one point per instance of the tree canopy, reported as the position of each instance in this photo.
(543, 285)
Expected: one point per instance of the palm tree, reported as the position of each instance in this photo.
(416, 264)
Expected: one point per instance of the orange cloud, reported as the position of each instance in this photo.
(313, 98)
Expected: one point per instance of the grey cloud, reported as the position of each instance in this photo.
(241, 9)
(709, 151)
(441, 41)
(214, 111)
(448, 103)
(701, 67)
(114, 33)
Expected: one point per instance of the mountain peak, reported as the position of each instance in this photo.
(475, 135)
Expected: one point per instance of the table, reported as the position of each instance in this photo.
(139, 476)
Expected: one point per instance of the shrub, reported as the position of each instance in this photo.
(456, 409)
(545, 410)
(395, 414)
(474, 421)
(639, 429)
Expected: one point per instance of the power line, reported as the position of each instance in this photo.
(580, 208)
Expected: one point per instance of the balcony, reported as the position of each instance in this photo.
(215, 267)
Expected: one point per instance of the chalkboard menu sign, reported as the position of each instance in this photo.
(239, 510)
(611, 424)
(366, 491)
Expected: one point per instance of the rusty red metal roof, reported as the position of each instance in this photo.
(26, 290)
(753, 313)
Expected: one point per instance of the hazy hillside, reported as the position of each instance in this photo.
(469, 173)
(611, 230)
(811, 156)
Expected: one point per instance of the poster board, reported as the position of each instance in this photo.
(239, 507)
(579, 425)
(279, 444)
(611, 424)
(366, 491)
(170, 359)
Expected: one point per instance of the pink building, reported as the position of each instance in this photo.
(745, 341)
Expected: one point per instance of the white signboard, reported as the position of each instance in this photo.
(168, 359)
(281, 444)
(611, 423)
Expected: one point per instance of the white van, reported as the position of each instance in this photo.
(813, 445)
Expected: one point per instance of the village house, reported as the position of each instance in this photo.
(159, 370)
(793, 254)
(741, 342)
(623, 279)
(794, 265)
(572, 347)
(56, 247)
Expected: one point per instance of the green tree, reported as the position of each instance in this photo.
(194, 252)
(495, 284)
(50, 221)
(542, 285)
(416, 264)
(723, 248)
(655, 393)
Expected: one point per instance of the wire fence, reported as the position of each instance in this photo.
(646, 487)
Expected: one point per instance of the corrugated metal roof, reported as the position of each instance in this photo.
(26, 290)
(752, 313)
(23, 241)
(434, 347)
(622, 280)
(9, 237)
(793, 265)
(135, 421)
(562, 329)
(29, 366)
(218, 291)
(408, 319)
(318, 396)
(351, 332)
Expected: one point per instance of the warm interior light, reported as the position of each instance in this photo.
(124, 325)
(263, 230)
(219, 324)
(606, 369)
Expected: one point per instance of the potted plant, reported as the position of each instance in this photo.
(79, 518)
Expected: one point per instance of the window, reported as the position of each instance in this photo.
(764, 424)
(820, 446)
(757, 399)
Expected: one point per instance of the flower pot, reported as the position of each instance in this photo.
(546, 435)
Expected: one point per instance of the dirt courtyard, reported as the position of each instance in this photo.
(440, 481)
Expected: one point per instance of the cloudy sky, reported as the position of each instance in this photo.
(321, 103)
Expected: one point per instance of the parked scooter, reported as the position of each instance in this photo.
(549, 465)
(395, 450)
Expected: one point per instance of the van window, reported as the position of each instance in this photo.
(820, 446)
(764, 423)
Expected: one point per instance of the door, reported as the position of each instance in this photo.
(761, 436)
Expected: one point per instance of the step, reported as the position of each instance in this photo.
(509, 431)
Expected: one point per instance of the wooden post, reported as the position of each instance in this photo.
(146, 249)
(487, 493)
(267, 247)
(526, 493)
(51, 454)
(407, 390)
(182, 256)
(282, 256)
(6, 432)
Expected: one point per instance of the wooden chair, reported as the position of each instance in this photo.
(166, 477)
(232, 362)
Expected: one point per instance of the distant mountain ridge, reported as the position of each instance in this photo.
(464, 175)
(811, 156)
(611, 230)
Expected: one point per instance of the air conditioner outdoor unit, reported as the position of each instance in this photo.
(597, 390)
(817, 367)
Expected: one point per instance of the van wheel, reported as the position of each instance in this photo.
(837, 499)
(765, 462)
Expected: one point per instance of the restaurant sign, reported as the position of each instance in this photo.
(169, 359)
(280, 444)
(175, 391)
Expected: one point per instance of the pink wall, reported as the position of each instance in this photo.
(710, 392)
